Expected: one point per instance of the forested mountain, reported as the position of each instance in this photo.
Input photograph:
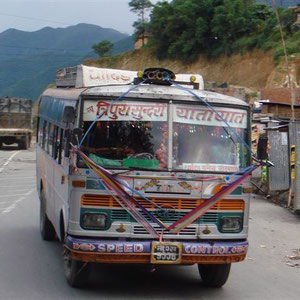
(183, 29)
(29, 59)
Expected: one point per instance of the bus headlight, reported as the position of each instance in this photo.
(231, 224)
(94, 221)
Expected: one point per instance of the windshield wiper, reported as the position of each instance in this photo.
(227, 132)
(143, 169)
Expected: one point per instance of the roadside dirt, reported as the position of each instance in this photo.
(252, 70)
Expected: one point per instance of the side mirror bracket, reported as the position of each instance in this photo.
(76, 136)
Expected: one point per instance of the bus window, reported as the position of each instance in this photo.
(197, 146)
(50, 139)
(44, 135)
(56, 142)
(201, 142)
(58, 149)
(65, 141)
(120, 143)
(38, 130)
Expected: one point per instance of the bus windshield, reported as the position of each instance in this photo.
(128, 143)
(202, 140)
(207, 148)
(128, 134)
(137, 134)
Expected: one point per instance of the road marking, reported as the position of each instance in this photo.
(21, 190)
(14, 204)
(11, 195)
(5, 202)
(14, 177)
(13, 186)
(8, 161)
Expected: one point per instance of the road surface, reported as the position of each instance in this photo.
(32, 269)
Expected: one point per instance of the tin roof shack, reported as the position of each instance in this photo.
(223, 88)
(283, 149)
(15, 122)
(277, 110)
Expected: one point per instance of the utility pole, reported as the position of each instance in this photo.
(290, 83)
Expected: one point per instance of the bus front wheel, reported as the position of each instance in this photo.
(46, 228)
(214, 275)
(76, 272)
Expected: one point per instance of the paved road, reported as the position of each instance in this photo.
(32, 269)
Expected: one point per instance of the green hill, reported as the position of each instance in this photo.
(29, 60)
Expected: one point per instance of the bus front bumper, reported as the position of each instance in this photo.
(114, 251)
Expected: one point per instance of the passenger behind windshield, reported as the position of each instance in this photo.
(127, 143)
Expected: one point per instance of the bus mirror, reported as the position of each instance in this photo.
(76, 136)
(69, 114)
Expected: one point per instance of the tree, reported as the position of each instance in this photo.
(181, 29)
(103, 48)
(230, 22)
(140, 7)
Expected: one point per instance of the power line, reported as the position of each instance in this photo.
(36, 19)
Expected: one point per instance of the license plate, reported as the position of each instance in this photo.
(166, 253)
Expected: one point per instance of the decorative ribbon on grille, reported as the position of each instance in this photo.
(122, 197)
(131, 205)
(201, 209)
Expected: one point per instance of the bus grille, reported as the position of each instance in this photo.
(122, 216)
(190, 231)
(96, 200)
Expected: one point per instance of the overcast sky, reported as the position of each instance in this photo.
(24, 15)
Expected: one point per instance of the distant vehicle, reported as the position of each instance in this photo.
(15, 122)
(171, 152)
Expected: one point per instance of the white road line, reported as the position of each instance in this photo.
(10, 202)
(15, 177)
(11, 195)
(8, 161)
(17, 190)
(13, 186)
(13, 205)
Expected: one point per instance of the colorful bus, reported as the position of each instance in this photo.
(132, 168)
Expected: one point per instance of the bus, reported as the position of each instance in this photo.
(126, 164)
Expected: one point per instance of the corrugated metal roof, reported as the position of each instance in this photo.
(278, 103)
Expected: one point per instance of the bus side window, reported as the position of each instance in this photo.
(45, 135)
(58, 144)
(50, 139)
(38, 130)
(64, 144)
(55, 142)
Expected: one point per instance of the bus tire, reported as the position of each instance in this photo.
(1, 144)
(21, 144)
(24, 143)
(214, 275)
(76, 272)
(27, 141)
(46, 228)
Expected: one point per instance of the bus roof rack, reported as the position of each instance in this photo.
(84, 76)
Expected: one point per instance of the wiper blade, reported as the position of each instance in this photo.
(143, 169)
